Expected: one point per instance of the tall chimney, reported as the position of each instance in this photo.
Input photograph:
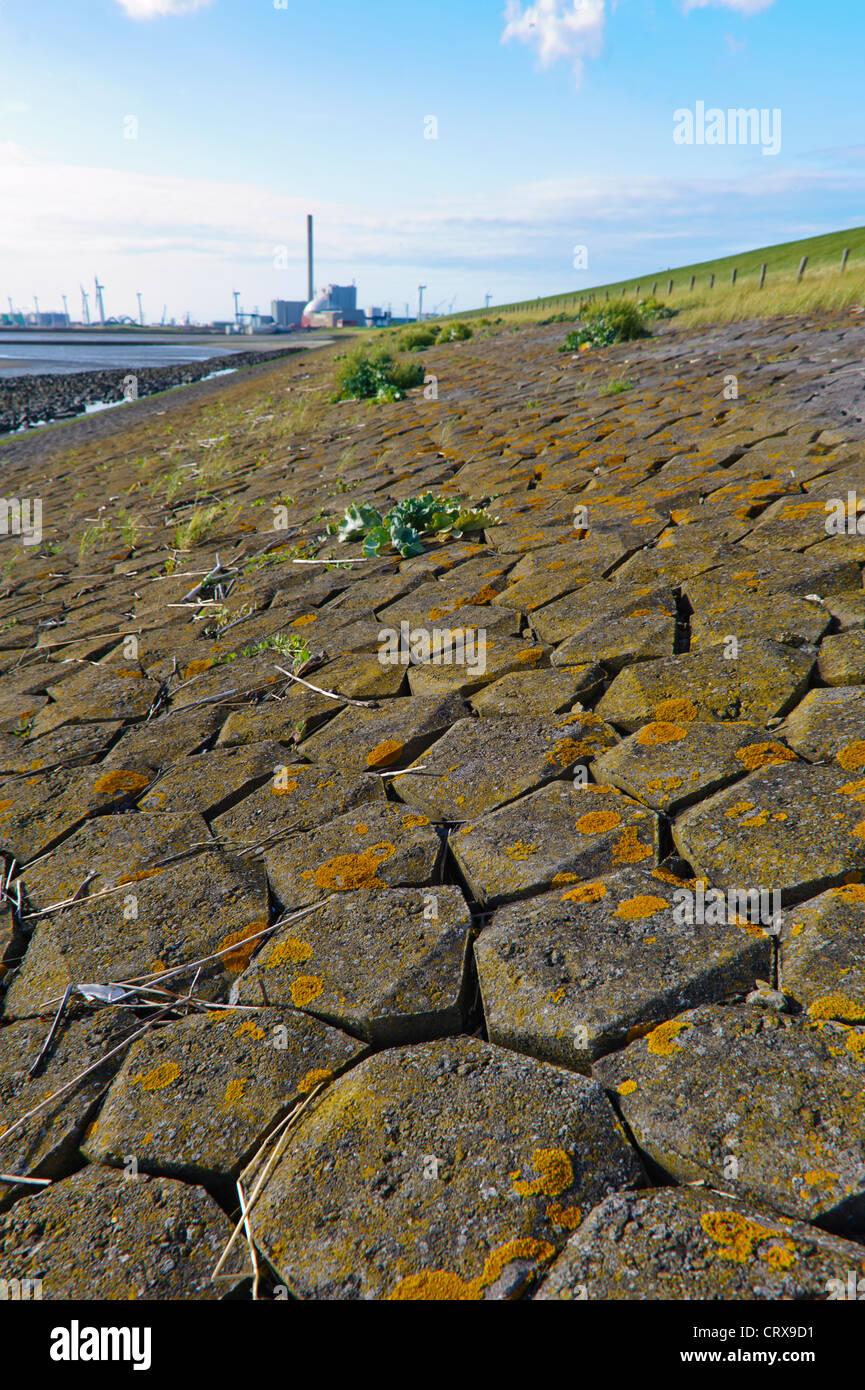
(310, 277)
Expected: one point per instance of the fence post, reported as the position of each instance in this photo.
(712, 281)
(802, 265)
(655, 288)
(734, 274)
(670, 287)
(762, 276)
(693, 279)
(844, 259)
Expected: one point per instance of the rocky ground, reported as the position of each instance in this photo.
(461, 968)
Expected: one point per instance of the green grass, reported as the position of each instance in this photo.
(823, 286)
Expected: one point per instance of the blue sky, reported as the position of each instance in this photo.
(555, 129)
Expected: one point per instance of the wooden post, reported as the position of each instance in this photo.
(734, 274)
(693, 280)
(802, 265)
(844, 259)
(670, 288)
(655, 288)
(637, 290)
(712, 281)
(762, 276)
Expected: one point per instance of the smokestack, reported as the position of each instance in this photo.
(310, 276)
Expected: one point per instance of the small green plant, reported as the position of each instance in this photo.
(458, 332)
(291, 645)
(416, 339)
(377, 376)
(615, 388)
(202, 523)
(405, 526)
(617, 321)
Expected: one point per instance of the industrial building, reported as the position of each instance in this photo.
(287, 313)
(334, 307)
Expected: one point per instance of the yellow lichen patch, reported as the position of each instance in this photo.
(636, 909)
(197, 668)
(568, 1218)
(738, 809)
(676, 711)
(349, 872)
(137, 876)
(313, 1078)
(661, 732)
(530, 657)
(121, 782)
(735, 1234)
(409, 822)
(664, 876)
(440, 1285)
(158, 1077)
(818, 1177)
(566, 751)
(304, 620)
(663, 784)
(361, 829)
(556, 1174)
(859, 830)
(304, 989)
(851, 892)
(249, 1029)
(837, 1006)
(386, 753)
(629, 849)
(586, 893)
(284, 788)
(233, 1092)
(660, 1041)
(597, 822)
(856, 790)
(852, 756)
(627, 1088)
(291, 949)
(238, 958)
(781, 1256)
(856, 1045)
(520, 850)
(559, 879)
(755, 755)
(755, 821)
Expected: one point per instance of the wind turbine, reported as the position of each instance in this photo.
(140, 310)
(99, 301)
(65, 307)
(85, 306)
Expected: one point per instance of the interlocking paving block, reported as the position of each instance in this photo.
(161, 741)
(791, 826)
(388, 966)
(830, 724)
(360, 740)
(669, 765)
(46, 1144)
(571, 974)
(196, 1099)
(116, 850)
(439, 600)
(99, 1235)
(618, 644)
(687, 1243)
(195, 909)
(521, 693)
(783, 1097)
(560, 834)
(70, 746)
(763, 682)
(451, 1170)
(764, 572)
(97, 693)
(297, 797)
(481, 764)
(599, 604)
(787, 619)
(488, 616)
(822, 961)
(587, 559)
(36, 812)
(841, 659)
(212, 782)
(373, 846)
(475, 662)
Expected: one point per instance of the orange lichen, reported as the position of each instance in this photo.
(837, 1006)
(851, 892)
(629, 849)
(121, 782)
(249, 1029)
(852, 756)
(675, 711)
(755, 755)
(520, 850)
(409, 822)
(440, 1285)
(197, 668)
(313, 1078)
(586, 893)
(238, 959)
(386, 753)
(660, 1041)
(627, 1088)
(158, 1077)
(291, 948)
(349, 872)
(556, 1174)
(304, 989)
(233, 1092)
(735, 1234)
(284, 788)
(597, 822)
(636, 909)
(568, 1218)
(566, 751)
(304, 620)
(661, 732)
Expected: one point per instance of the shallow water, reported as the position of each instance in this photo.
(43, 353)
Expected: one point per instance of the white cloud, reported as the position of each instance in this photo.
(557, 29)
(152, 9)
(744, 7)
